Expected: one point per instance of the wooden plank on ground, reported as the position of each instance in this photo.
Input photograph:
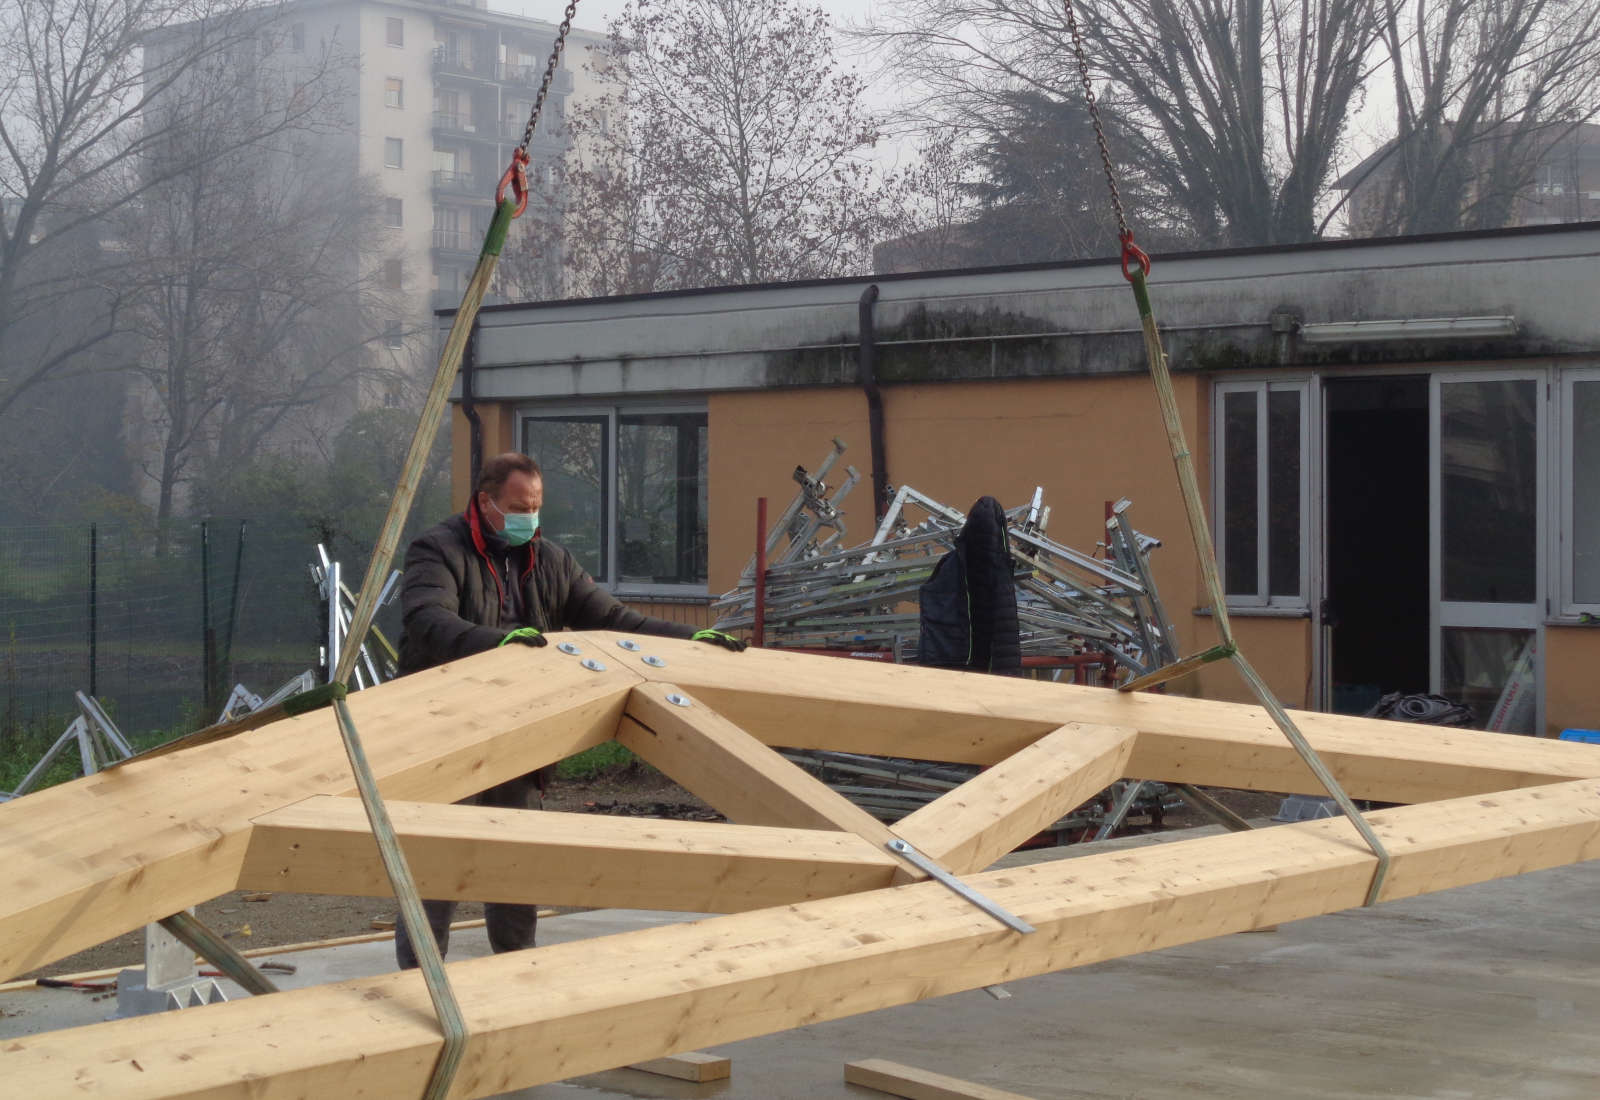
(918, 1084)
(802, 700)
(479, 853)
(744, 779)
(989, 815)
(693, 1066)
(568, 1009)
(102, 855)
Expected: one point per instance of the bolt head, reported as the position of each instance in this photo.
(568, 648)
(592, 665)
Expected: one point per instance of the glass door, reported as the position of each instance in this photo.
(1487, 502)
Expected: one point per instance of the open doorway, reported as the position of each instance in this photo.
(1375, 614)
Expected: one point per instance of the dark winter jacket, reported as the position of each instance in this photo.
(451, 595)
(969, 605)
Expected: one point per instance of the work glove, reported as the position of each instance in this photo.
(717, 637)
(524, 635)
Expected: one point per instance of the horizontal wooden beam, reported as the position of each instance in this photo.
(990, 814)
(478, 853)
(805, 701)
(103, 855)
(568, 1009)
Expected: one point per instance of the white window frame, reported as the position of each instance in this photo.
(400, 152)
(400, 217)
(399, 92)
(1261, 598)
(391, 23)
(1566, 601)
(613, 413)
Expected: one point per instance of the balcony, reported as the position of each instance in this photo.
(460, 126)
(528, 76)
(461, 63)
(457, 242)
(462, 184)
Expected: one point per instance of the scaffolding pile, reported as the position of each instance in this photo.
(814, 593)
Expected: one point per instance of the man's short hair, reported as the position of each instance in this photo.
(498, 470)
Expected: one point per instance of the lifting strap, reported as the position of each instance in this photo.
(1136, 268)
(431, 962)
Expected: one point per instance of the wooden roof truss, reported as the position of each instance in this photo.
(822, 919)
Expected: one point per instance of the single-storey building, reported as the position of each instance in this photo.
(1400, 439)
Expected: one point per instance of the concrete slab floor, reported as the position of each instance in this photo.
(1490, 991)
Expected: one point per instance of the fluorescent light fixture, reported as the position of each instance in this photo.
(1418, 328)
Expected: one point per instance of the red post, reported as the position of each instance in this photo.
(758, 634)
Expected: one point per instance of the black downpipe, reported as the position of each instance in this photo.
(469, 359)
(866, 375)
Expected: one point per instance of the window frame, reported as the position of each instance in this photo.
(614, 413)
(1564, 483)
(400, 153)
(399, 90)
(399, 209)
(394, 335)
(394, 32)
(1262, 600)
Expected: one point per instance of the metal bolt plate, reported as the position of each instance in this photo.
(629, 644)
(655, 662)
(592, 665)
(679, 700)
(568, 648)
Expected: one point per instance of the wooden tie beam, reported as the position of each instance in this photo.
(817, 928)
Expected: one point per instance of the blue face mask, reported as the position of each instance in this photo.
(520, 526)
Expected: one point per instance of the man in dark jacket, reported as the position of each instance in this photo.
(484, 579)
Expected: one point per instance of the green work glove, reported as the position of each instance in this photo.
(524, 635)
(717, 637)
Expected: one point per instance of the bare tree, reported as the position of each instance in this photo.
(254, 309)
(730, 149)
(1482, 91)
(1237, 108)
(91, 96)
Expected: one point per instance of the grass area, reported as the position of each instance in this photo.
(597, 761)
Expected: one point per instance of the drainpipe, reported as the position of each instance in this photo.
(469, 359)
(866, 375)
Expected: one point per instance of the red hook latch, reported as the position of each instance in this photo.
(516, 178)
(1131, 251)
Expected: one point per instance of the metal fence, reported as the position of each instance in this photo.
(159, 632)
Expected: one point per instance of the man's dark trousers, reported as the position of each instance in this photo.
(511, 927)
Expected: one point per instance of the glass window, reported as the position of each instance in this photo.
(626, 492)
(393, 91)
(1489, 491)
(572, 454)
(394, 31)
(297, 37)
(1260, 485)
(661, 498)
(1241, 507)
(393, 153)
(393, 212)
(1582, 468)
(1495, 673)
(394, 335)
(394, 275)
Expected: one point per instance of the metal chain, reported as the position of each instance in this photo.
(1094, 116)
(549, 75)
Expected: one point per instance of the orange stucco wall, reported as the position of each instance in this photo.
(1572, 657)
(1085, 440)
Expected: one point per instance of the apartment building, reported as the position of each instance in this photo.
(442, 95)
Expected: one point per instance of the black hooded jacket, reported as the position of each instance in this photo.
(969, 605)
(453, 597)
